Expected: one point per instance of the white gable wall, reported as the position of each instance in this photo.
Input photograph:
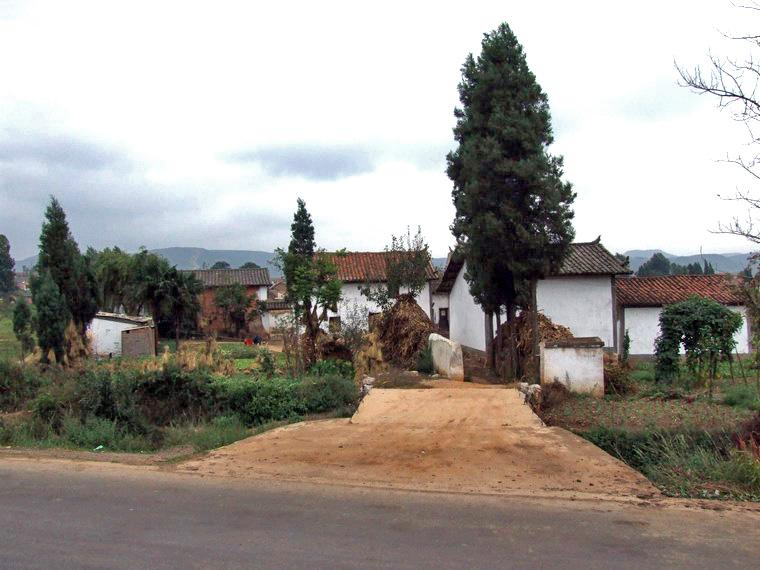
(466, 319)
(583, 304)
(351, 296)
(643, 326)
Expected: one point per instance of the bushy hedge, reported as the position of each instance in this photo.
(111, 405)
(18, 384)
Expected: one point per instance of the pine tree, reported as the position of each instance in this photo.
(22, 326)
(221, 265)
(312, 285)
(302, 232)
(6, 266)
(52, 316)
(708, 268)
(513, 218)
(59, 256)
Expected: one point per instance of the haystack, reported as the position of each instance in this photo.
(521, 327)
(404, 332)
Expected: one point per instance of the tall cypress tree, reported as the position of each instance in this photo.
(68, 268)
(51, 317)
(513, 219)
(310, 276)
(6, 266)
(302, 232)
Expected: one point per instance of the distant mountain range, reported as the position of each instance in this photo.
(721, 262)
(198, 258)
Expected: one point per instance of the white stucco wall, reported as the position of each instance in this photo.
(351, 296)
(440, 301)
(643, 326)
(261, 293)
(579, 369)
(467, 321)
(583, 304)
(105, 336)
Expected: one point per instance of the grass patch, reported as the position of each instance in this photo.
(220, 431)
(10, 349)
(636, 414)
(685, 463)
(742, 396)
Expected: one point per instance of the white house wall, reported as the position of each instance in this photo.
(440, 301)
(583, 304)
(351, 296)
(467, 321)
(105, 336)
(643, 326)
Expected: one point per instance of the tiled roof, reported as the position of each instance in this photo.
(591, 258)
(667, 289)
(278, 305)
(367, 266)
(223, 277)
(583, 258)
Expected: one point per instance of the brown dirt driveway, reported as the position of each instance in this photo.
(469, 438)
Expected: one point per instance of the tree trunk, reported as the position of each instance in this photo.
(510, 360)
(489, 341)
(536, 358)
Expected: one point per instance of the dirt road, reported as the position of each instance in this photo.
(474, 440)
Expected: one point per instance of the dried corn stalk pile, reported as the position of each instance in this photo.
(404, 331)
(521, 328)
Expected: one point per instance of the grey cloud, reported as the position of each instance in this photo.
(109, 201)
(313, 162)
(57, 151)
(335, 162)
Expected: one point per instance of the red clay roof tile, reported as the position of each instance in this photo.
(668, 289)
(367, 266)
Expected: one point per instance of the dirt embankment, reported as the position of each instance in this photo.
(462, 440)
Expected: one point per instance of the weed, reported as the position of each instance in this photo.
(742, 396)
(425, 361)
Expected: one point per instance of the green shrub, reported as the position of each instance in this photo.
(47, 408)
(173, 394)
(742, 396)
(425, 361)
(266, 360)
(323, 393)
(220, 431)
(94, 432)
(333, 367)
(18, 385)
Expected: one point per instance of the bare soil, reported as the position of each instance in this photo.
(463, 438)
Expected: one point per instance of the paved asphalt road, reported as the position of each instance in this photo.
(64, 515)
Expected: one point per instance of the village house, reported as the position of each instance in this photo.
(278, 290)
(358, 270)
(580, 296)
(211, 319)
(111, 334)
(641, 299)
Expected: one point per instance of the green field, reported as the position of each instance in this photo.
(9, 346)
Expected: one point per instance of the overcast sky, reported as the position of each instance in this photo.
(200, 123)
